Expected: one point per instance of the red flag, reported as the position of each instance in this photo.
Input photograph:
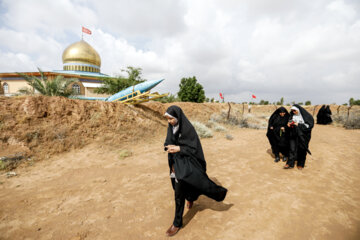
(253, 96)
(85, 30)
(221, 96)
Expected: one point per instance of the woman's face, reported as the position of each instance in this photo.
(171, 120)
(282, 114)
(295, 112)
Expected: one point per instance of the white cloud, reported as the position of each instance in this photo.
(302, 50)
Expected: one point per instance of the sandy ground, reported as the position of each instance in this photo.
(94, 193)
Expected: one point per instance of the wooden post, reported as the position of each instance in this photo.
(1, 89)
(348, 113)
(314, 109)
(228, 116)
(338, 109)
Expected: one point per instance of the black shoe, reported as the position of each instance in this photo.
(285, 159)
(277, 159)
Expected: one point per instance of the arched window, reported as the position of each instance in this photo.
(6, 88)
(76, 88)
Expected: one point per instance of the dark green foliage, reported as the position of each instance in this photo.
(115, 85)
(281, 102)
(59, 86)
(307, 103)
(263, 102)
(300, 103)
(191, 90)
(352, 102)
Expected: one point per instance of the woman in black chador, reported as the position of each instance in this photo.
(277, 133)
(324, 115)
(300, 125)
(187, 166)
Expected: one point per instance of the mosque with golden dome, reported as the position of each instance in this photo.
(80, 61)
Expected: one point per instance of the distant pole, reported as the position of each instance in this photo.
(228, 116)
(314, 109)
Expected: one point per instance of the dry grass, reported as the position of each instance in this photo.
(124, 153)
(242, 121)
(202, 130)
(353, 122)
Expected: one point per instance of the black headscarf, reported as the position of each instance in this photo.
(189, 163)
(303, 132)
(186, 137)
(277, 122)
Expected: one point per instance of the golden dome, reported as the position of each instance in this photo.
(82, 57)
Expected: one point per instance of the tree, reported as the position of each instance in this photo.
(352, 102)
(134, 74)
(191, 90)
(59, 86)
(307, 103)
(115, 85)
(263, 102)
(281, 102)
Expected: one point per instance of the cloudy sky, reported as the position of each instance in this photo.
(296, 49)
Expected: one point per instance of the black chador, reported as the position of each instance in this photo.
(278, 133)
(189, 177)
(299, 135)
(324, 115)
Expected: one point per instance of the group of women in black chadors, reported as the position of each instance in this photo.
(290, 134)
(324, 115)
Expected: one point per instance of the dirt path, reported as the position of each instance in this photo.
(93, 193)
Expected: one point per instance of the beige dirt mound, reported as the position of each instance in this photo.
(39, 126)
(43, 126)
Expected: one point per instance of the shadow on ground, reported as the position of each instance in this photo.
(204, 203)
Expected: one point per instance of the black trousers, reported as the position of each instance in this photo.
(276, 149)
(296, 153)
(182, 191)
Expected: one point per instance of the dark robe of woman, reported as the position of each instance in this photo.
(279, 140)
(328, 113)
(324, 115)
(299, 138)
(189, 165)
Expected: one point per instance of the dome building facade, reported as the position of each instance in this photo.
(81, 56)
(80, 60)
